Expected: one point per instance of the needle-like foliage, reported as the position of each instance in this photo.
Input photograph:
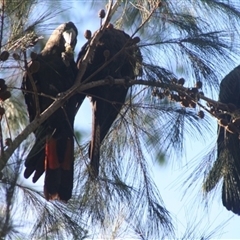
(179, 39)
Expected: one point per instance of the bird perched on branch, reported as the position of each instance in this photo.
(108, 100)
(49, 73)
(227, 164)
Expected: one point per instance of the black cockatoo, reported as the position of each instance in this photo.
(108, 100)
(53, 71)
(227, 164)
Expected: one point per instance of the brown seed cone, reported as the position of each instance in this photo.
(16, 56)
(2, 111)
(136, 40)
(232, 128)
(176, 97)
(182, 95)
(33, 55)
(174, 80)
(8, 142)
(102, 13)
(160, 95)
(192, 104)
(181, 81)
(193, 95)
(236, 122)
(198, 84)
(201, 114)
(194, 90)
(5, 95)
(159, 4)
(88, 34)
(4, 56)
(185, 103)
(167, 92)
(155, 92)
(34, 67)
(209, 104)
(110, 26)
(222, 122)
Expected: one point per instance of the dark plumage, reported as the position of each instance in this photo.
(227, 164)
(53, 151)
(108, 100)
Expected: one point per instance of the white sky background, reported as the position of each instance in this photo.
(185, 208)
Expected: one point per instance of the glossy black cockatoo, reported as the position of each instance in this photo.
(108, 100)
(227, 164)
(51, 72)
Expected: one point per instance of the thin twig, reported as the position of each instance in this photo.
(34, 87)
(38, 94)
(59, 102)
(1, 137)
(8, 126)
(82, 65)
(143, 23)
(84, 62)
(80, 87)
(2, 23)
(44, 115)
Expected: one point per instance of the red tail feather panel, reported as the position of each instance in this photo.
(51, 158)
(59, 175)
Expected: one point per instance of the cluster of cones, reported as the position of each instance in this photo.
(4, 93)
(228, 116)
(188, 97)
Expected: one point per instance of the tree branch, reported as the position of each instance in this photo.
(2, 22)
(59, 102)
